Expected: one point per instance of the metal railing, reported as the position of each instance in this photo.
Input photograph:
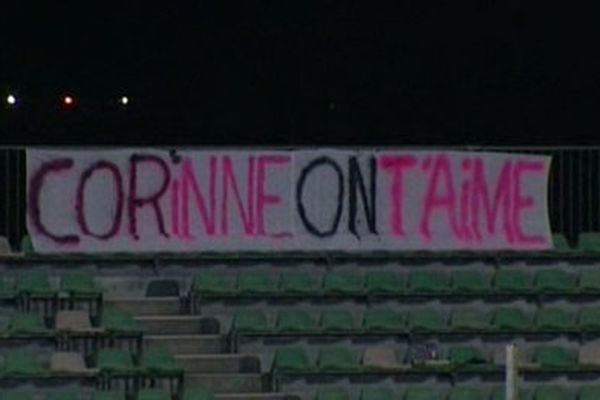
(573, 192)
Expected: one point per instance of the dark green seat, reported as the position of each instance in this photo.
(337, 321)
(461, 355)
(466, 393)
(589, 319)
(22, 363)
(332, 393)
(26, 324)
(512, 281)
(589, 242)
(158, 360)
(198, 394)
(27, 245)
(427, 282)
(6, 290)
(63, 395)
(425, 393)
(554, 357)
(551, 392)
(108, 395)
(118, 321)
(212, 283)
(297, 283)
(560, 243)
(291, 359)
(250, 321)
(589, 392)
(337, 359)
(470, 281)
(34, 283)
(114, 360)
(16, 394)
(383, 320)
(343, 282)
(467, 319)
(553, 318)
(295, 321)
(511, 319)
(553, 280)
(427, 320)
(383, 283)
(79, 283)
(589, 281)
(255, 283)
(377, 393)
(153, 394)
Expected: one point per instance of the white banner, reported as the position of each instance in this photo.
(140, 200)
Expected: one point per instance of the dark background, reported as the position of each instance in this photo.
(282, 73)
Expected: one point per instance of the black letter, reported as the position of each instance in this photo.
(355, 180)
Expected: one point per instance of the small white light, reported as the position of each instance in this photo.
(11, 100)
(68, 100)
(124, 100)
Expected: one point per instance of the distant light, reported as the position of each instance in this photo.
(124, 100)
(11, 100)
(68, 100)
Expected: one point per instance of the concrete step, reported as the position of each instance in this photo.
(146, 305)
(177, 324)
(221, 363)
(257, 396)
(188, 344)
(228, 383)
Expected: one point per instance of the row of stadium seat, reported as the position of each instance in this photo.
(143, 394)
(502, 320)
(38, 283)
(378, 282)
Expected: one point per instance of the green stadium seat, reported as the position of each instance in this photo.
(64, 395)
(297, 283)
(16, 394)
(337, 359)
(114, 360)
(79, 283)
(27, 245)
(158, 360)
(250, 321)
(512, 281)
(153, 394)
(6, 290)
(383, 283)
(295, 321)
(377, 393)
(337, 321)
(553, 318)
(425, 393)
(589, 392)
(554, 357)
(26, 324)
(553, 280)
(470, 281)
(343, 282)
(383, 320)
(511, 319)
(198, 394)
(212, 283)
(560, 243)
(427, 282)
(499, 393)
(551, 392)
(291, 359)
(332, 393)
(589, 319)
(589, 242)
(35, 283)
(22, 363)
(461, 355)
(466, 393)
(427, 320)
(255, 283)
(589, 281)
(108, 395)
(118, 321)
(469, 320)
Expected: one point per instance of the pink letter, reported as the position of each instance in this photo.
(229, 179)
(396, 165)
(263, 199)
(520, 203)
(188, 179)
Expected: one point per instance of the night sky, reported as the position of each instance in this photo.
(469, 72)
